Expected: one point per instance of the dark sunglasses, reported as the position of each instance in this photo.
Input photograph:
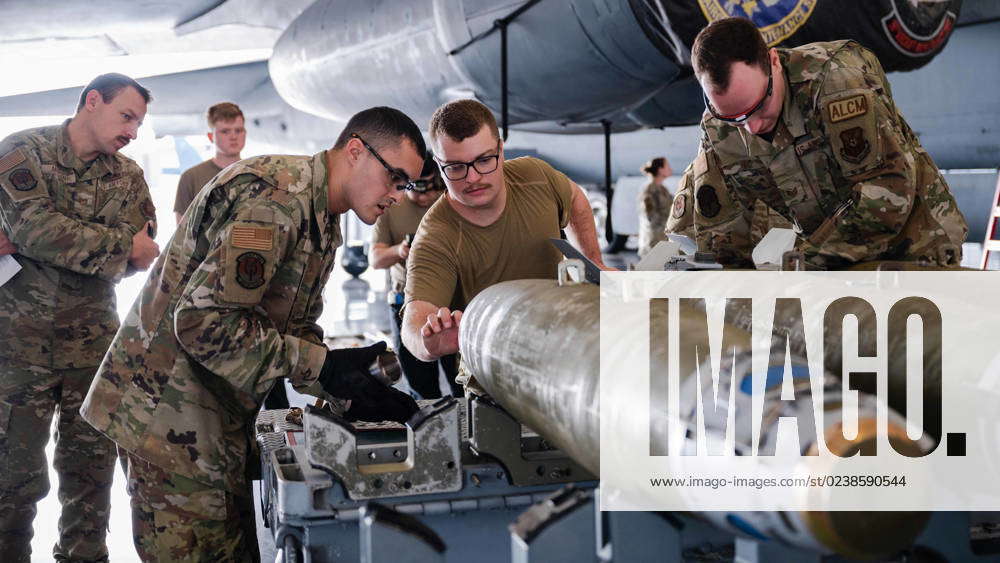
(745, 115)
(422, 186)
(396, 175)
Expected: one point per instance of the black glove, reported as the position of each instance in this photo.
(346, 375)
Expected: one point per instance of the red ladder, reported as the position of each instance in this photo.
(991, 241)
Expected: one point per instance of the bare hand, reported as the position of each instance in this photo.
(144, 248)
(440, 332)
(6, 247)
(403, 250)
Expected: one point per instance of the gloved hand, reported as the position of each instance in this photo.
(345, 375)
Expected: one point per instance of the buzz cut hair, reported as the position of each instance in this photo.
(222, 111)
(722, 43)
(461, 119)
(109, 85)
(382, 127)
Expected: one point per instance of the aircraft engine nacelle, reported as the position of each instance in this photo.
(573, 61)
(570, 62)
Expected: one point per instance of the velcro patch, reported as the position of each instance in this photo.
(708, 201)
(854, 146)
(250, 270)
(23, 180)
(680, 206)
(11, 159)
(847, 108)
(253, 238)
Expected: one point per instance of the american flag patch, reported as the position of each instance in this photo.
(254, 238)
(11, 159)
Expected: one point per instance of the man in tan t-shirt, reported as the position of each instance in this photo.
(227, 133)
(391, 241)
(492, 225)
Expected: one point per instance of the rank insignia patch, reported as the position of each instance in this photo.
(708, 201)
(856, 147)
(250, 270)
(679, 205)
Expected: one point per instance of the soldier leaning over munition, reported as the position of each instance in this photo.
(227, 312)
(810, 138)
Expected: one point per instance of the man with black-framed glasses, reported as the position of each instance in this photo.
(228, 311)
(809, 138)
(492, 225)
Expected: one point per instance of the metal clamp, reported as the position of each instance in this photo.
(562, 274)
(528, 460)
(429, 460)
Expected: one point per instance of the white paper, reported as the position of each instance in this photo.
(8, 267)
(772, 247)
(657, 256)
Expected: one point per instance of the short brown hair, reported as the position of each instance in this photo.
(109, 85)
(461, 119)
(222, 111)
(724, 42)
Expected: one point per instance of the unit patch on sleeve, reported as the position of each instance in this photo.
(854, 146)
(23, 180)
(679, 205)
(708, 201)
(250, 270)
(19, 177)
(847, 108)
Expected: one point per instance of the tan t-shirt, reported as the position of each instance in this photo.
(192, 181)
(392, 227)
(452, 260)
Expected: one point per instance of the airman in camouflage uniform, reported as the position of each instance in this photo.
(654, 204)
(71, 224)
(842, 167)
(229, 309)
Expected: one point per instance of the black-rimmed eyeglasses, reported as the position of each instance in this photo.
(483, 165)
(745, 115)
(396, 175)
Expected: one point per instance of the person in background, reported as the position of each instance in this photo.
(391, 241)
(227, 133)
(655, 203)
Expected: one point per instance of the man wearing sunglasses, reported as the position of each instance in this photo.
(391, 240)
(228, 311)
(810, 138)
(492, 225)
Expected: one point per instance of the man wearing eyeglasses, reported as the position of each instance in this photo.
(492, 225)
(229, 310)
(810, 137)
(391, 240)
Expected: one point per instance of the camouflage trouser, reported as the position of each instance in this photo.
(177, 519)
(84, 460)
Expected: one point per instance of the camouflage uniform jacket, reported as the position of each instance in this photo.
(844, 168)
(72, 223)
(228, 309)
(654, 209)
